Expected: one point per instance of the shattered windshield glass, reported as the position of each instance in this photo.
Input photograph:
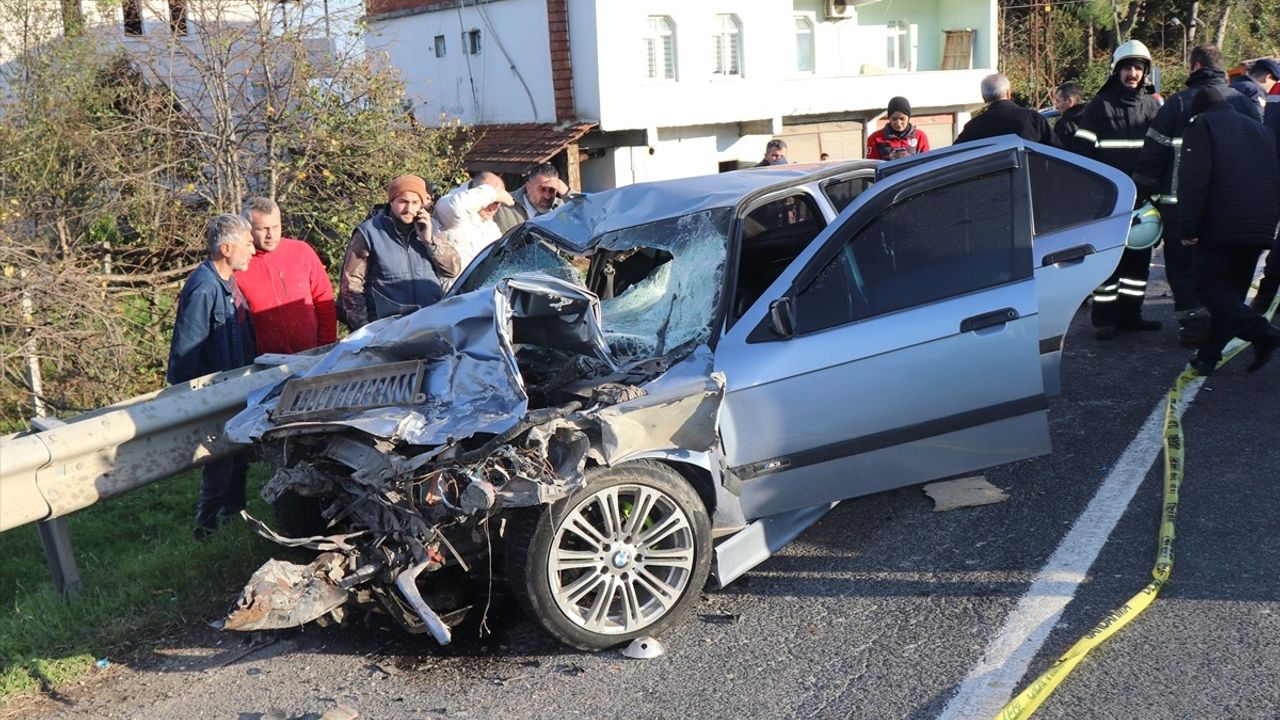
(675, 302)
(526, 252)
(659, 283)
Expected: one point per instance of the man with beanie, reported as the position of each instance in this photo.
(394, 264)
(1156, 175)
(899, 138)
(287, 286)
(1229, 205)
(1003, 117)
(1111, 131)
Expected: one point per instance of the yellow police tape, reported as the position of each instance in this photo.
(1029, 699)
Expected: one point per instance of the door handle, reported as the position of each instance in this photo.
(1069, 256)
(995, 317)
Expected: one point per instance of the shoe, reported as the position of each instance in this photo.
(1203, 368)
(1262, 303)
(201, 533)
(1104, 332)
(1263, 347)
(1139, 325)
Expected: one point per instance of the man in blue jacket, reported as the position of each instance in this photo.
(1257, 82)
(214, 332)
(1229, 198)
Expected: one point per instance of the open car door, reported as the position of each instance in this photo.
(902, 346)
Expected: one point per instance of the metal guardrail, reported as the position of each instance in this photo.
(50, 473)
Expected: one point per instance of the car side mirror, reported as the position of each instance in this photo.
(782, 317)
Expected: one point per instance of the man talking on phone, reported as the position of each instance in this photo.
(394, 265)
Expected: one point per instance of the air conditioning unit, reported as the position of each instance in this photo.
(841, 9)
(837, 9)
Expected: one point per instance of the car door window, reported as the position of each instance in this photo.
(773, 235)
(946, 241)
(1055, 207)
(844, 191)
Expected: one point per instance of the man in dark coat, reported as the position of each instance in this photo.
(1003, 117)
(1111, 131)
(395, 263)
(1229, 204)
(1156, 176)
(214, 332)
(1257, 81)
(1067, 100)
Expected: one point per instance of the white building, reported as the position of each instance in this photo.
(147, 28)
(634, 91)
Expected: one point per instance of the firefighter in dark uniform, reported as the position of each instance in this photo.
(1156, 175)
(1111, 131)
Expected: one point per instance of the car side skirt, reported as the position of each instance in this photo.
(761, 539)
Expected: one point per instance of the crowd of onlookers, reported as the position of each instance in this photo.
(1202, 156)
(260, 292)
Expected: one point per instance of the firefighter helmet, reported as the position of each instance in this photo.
(1145, 227)
(1131, 50)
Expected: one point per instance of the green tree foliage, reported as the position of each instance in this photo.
(115, 154)
(1047, 42)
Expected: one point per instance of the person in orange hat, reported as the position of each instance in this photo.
(394, 264)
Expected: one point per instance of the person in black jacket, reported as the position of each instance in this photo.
(1156, 176)
(1067, 101)
(1229, 206)
(1257, 82)
(1111, 131)
(1003, 117)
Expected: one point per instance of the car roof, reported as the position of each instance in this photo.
(586, 217)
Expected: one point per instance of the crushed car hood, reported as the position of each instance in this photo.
(463, 349)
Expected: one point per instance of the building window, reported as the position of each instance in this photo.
(471, 42)
(132, 16)
(660, 48)
(178, 16)
(726, 58)
(898, 41)
(804, 44)
(439, 46)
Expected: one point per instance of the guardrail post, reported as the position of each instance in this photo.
(54, 537)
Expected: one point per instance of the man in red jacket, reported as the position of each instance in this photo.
(286, 285)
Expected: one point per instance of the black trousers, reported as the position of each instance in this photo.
(1179, 263)
(1224, 274)
(222, 489)
(1119, 299)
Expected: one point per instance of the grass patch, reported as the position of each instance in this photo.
(140, 571)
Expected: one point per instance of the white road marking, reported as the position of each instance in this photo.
(990, 684)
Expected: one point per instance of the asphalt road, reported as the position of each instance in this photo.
(880, 610)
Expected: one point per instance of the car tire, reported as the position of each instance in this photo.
(595, 583)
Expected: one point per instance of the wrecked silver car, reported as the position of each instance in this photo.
(671, 380)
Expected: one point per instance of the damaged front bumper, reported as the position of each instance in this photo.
(403, 487)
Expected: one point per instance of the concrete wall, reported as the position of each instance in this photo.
(479, 88)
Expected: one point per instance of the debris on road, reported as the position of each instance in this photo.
(644, 648)
(963, 492)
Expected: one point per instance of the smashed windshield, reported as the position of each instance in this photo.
(659, 283)
(674, 302)
(526, 251)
